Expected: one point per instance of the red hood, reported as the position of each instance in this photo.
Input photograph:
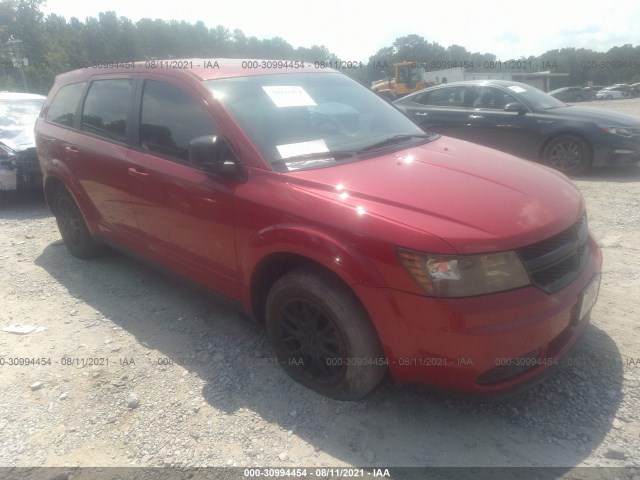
(475, 198)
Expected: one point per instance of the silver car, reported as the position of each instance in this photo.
(611, 93)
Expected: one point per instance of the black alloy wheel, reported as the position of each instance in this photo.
(313, 342)
(73, 229)
(568, 153)
(322, 336)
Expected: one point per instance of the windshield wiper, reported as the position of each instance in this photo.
(337, 155)
(282, 165)
(393, 140)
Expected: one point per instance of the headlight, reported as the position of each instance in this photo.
(626, 132)
(464, 275)
(6, 152)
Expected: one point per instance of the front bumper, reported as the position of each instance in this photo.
(8, 177)
(618, 153)
(478, 345)
(21, 171)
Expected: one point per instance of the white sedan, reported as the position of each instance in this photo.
(612, 92)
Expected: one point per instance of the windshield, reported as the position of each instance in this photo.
(17, 119)
(311, 120)
(537, 99)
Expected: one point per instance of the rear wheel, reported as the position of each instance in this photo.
(567, 153)
(73, 229)
(322, 336)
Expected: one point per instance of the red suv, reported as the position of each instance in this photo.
(364, 244)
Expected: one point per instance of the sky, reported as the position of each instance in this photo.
(356, 29)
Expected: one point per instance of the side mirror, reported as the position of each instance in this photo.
(515, 107)
(212, 154)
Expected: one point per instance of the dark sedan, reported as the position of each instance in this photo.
(524, 121)
(592, 91)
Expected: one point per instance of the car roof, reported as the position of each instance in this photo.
(20, 96)
(201, 68)
(500, 83)
(563, 89)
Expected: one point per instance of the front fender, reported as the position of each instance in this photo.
(329, 250)
(344, 260)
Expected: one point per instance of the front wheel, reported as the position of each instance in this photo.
(322, 336)
(73, 229)
(567, 153)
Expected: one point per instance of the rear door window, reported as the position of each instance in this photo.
(106, 108)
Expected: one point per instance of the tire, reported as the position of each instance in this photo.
(609, 97)
(73, 229)
(567, 153)
(317, 326)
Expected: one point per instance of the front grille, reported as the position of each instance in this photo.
(27, 160)
(545, 246)
(555, 262)
(509, 369)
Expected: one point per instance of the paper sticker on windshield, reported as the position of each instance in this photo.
(293, 149)
(291, 96)
(517, 89)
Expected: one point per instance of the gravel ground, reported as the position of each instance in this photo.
(147, 372)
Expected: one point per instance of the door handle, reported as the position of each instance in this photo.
(71, 149)
(475, 117)
(137, 173)
(421, 114)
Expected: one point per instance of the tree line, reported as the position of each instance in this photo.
(620, 64)
(52, 44)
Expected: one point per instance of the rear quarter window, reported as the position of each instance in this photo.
(63, 108)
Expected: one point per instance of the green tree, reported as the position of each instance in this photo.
(54, 44)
